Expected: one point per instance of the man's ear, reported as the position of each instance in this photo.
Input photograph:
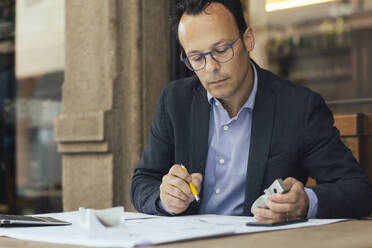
(248, 39)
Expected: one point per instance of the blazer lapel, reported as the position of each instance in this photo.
(199, 131)
(262, 124)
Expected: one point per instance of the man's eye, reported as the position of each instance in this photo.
(221, 49)
(196, 58)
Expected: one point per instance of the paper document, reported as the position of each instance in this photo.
(144, 229)
(135, 216)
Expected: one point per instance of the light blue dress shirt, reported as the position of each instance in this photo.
(226, 168)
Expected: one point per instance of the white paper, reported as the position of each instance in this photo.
(148, 229)
(71, 234)
(135, 215)
(169, 229)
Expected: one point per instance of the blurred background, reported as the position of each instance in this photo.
(31, 75)
(325, 45)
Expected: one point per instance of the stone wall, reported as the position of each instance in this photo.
(117, 62)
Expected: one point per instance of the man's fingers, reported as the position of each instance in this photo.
(174, 201)
(289, 182)
(197, 180)
(174, 204)
(182, 185)
(263, 213)
(262, 219)
(279, 207)
(177, 171)
(292, 196)
(177, 193)
(196, 177)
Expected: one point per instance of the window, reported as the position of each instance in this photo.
(322, 44)
(32, 53)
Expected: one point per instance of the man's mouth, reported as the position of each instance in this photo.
(218, 81)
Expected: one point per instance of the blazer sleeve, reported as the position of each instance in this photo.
(343, 189)
(157, 157)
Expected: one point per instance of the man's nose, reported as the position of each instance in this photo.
(211, 64)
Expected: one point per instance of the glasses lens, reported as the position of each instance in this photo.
(223, 53)
(196, 61)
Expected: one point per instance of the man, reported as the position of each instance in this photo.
(237, 128)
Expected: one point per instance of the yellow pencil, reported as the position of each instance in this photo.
(192, 187)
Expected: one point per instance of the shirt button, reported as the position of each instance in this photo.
(218, 191)
(217, 104)
(226, 127)
(222, 161)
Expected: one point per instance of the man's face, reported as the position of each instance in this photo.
(203, 32)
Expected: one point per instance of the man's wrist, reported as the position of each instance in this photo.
(161, 205)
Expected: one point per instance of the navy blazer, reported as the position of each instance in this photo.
(293, 135)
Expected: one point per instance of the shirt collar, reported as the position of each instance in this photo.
(250, 101)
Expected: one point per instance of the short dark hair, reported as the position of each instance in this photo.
(194, 7)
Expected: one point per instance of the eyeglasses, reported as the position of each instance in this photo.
(221, 54)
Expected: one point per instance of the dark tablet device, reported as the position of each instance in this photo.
(21, 220)
(282, 223)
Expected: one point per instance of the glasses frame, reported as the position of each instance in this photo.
(186, 60)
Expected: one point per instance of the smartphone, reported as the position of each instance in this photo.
(280, 223)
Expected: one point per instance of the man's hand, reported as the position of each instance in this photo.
(175, 192)
(284, 207)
